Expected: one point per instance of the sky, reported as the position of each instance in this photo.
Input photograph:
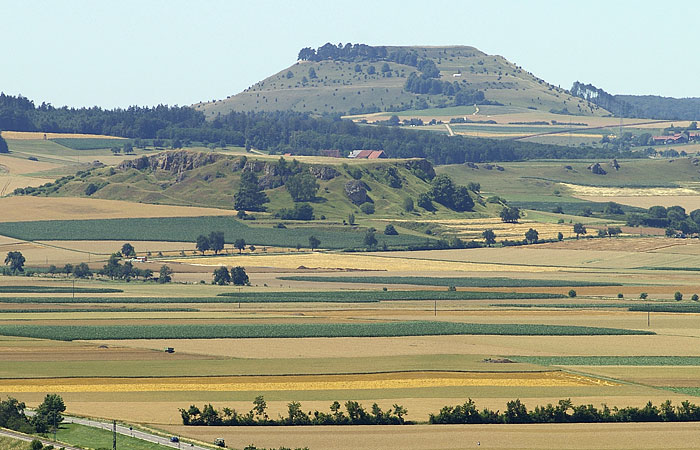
(122, 53)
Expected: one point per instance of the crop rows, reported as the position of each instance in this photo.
(644, 307)
(89, 143)
(609, 360)
(448, 281)
(186, 229)
(381, 329)
(56, 290)
(91, 310)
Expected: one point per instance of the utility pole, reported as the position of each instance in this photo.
(648, 318)
(73, 287)
(435, 307)
(114, 435)
(54, 426)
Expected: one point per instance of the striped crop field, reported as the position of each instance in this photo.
(399, 380)
(451, 281)
(306, 330)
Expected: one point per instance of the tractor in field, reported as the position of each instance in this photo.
(219, 442)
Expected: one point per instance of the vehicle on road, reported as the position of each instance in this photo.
(219, 442)
(174, 439)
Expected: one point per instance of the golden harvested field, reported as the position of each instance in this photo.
(689, 202)
(29, 135)
(301, 383)
(473, 228)
(16, 209)
(319, 260)
(662, 436)
(673, 376)
(21, 166)
(595, 192)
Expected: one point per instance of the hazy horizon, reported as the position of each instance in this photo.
(80, 53)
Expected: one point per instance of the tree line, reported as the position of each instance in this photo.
(279, 132)
(47, 415)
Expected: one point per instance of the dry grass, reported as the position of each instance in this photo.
(472, 228)
(17, 209)
(320, 260)
(596, 192)
(20, 166)
(30, 135)
(407, 380)
(661, 436)
(689, 202)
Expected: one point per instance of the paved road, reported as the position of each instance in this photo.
(24, 437)
(121, 429)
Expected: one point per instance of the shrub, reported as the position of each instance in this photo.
(643, 295)
(572, 293)
(389, 230)
(695, 297)
(367, 208)
(619, 295)
(678, 296)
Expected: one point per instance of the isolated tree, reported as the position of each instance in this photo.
(531, 236)
(312, 73)
(49, 412)
(202, 243)
(572, 293)
(16, 261)
(314, 242)
(302, 187)
(579, 228)
(128, 147)
(240, 245)
(128, 251)
(560, 236)
(238, 276)
(216, 241)
(489, 237)
(678, 296)
(351, 219)
(222, 276)
(3, 146)
(249, 196)
(389, 230)
(371, 70)
(510, 214)
(614, 231)
(370, 239)
(164, 276)
(68, 268)
(408, 204)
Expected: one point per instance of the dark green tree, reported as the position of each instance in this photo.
(370, 239)
(82, 270)
(16, 261)
(249, 196)
(531, 236)
(222, 276)
(165, 274)
(48, 413)
(202, 243)
(461, 200)
(489, 237)
(3, 146)
(389, 230)
(302, 187)
(240, 245)
(579, 229)
(312, 73)
(238, 276)
(128, 251)
(510, 214)
(408, 204)
(314, 242)
(216, 241)
(425, 202)
(68, 268)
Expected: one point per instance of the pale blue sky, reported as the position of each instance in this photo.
(120, 53)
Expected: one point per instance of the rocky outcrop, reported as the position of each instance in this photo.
(356, 191)
(597, 169)
(175, 162)
(324, 172)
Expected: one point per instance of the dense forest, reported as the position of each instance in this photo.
(278, 132)
(640, 106)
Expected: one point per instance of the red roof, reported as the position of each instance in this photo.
(374, 154)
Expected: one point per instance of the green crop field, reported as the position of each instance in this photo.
(610, 360)
(449, 281)
(89, 143)
(186, 229)
(56, 290)
(379, 329)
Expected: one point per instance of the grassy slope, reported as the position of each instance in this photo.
(89, 437)
(214, 185)
(339, 88)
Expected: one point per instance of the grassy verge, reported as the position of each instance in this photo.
(447, 281)
(7, 443)
(89, 437)
(609, 360)
(386, 329)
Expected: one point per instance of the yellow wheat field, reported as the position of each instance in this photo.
(320, 260)
(303, 383)
(595, 191)
(473, 228)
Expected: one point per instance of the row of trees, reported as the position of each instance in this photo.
(354, 414)
(48, 414)
(237, 276)
(566, 412)
(279, 132)
(674, 219)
